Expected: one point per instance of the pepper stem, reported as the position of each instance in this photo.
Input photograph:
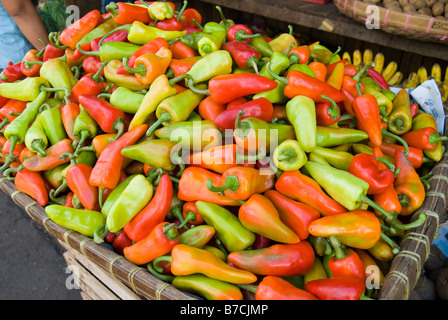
(176, 159)
(435, 138)
(4, 123)
(158, 275)
(226, 23)
(99, 238)
(120, 28)
(248, 287)
(141, 70)
(395, 247)
(67, 91)
(181, 11)
(87, 53)
(170, 231)
(242, 35)
(166, 117)
(337, 247)
(274, 75)
(9, 171)
(38, 145)
(175, 80)
(231, 184)
(395, 136)
(84, 135)
(190, 84)
(287, 155)
(10, 158)
(333, 110)
(97, 76)
(155, 262)
(363, 71)
(191, 216)
(101, 196)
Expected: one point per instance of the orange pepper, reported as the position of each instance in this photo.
(336, 76)
(149, 66)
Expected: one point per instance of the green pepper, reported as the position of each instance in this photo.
(215, 35)
(86, 222)
(336, 158)
(128, 81)
(302, 68)
(84, 127)
(54, 103)
(54, 175)
(191, 39)
(114, 194)
(52, 123)
(159, 10)
(140, 33)
(384, 103)
(262, 46)
(367, 81)
(214, 64)
(389, 94)
(198, 236)
(209, 288)
(112, 51)
(124, 99)
(194, 116)
(194, 135)
(99, 31)
(175, 109)
(332, 137)
(133, 198)
(24, 90)
(278, 63)
(57, 72)
(35, 138)
(301, 113)
(228, 227)
(276, 95)
(155, 153)
(289, 155)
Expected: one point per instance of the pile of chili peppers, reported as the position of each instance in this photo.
(230, 164)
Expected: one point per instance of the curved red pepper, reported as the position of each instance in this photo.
(77, 178)
(244, 55)
(34, 69)
(365, 166)
(33, 184)
(227, 87)
(367, 113)
(12, 72)
(126, 13)
(209, 109)
(69, 112)
(239, 32)
(424, 138)
(52, 52)
(337, 288)
(415, 155)
(153, 213)
(375, 75)
(89, 84)
(260, 108)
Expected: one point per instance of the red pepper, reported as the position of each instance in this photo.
(77, 178)
(379, 79)
(367, 113)
(365, 166)
(182, 66)
(10, 111)
(150, 47)
(300, 54)
(189, 16)
(424, 138)
(276, 288)
(53, 158)
(331, 67)
(351, 83)
(344, 263)
(350, 70)
(33, 184)
(191, 206)
(208, 109)
(89, 84)
(244, 55)
(153, 213)
(337, 288)
(12, 72)
(109, 118)
(68, 200)
(91, 64)
(51, 52)
(282, 260)
(171, 24)
(121, 241)
(294, 214)
(414, 109)
(69, 112)
(227, 87)
(31, 70)
(107, 170)
(241, 33)
(348, 100)
(127, 13)
(415, 155)
(327, 113)
(182, 51)
(260, 108)
(71, 35)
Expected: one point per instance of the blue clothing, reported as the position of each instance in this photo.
(13, 44)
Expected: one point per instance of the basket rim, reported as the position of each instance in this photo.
(415, 25)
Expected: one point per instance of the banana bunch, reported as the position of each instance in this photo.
(394, 77)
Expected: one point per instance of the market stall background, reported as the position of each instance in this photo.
(19, 218)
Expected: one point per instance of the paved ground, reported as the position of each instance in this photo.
(31, 262)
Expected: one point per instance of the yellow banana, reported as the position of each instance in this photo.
(413, 79)
(445, 92)
(395, 79)
(436, 72)
(446, 76)
(347, 57)
(422, 74)
(389, 71)
(357, 57)
(367, 56)
(379, 62)
(407, 84)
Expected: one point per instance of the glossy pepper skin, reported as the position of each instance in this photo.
(260, 216)
(240, 183)
(276, 288)
(71, 35)
(367, 112)
(424, 120)
(289, 184)
(32, 183)
(86, 222)
(296, 215)
(282, 260)
(358, 228)
(400, 118)
(227, 226)
(301, 112)
(289, 155)
(209, 288)
(77, 178)
(153, 213)
(186, 260)
(424, 138)
(52, 159)
(337, 288)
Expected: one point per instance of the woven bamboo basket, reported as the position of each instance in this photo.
(413, 26)
(404, 270)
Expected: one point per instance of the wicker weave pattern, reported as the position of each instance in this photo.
(414, 26)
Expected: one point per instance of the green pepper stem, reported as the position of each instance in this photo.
(155, 262)
(240, 158)
(337, 247)
(190, 84)
(290, 28)
(97, 76)
(7, 173)
(248, 287)
(28, 64)
(4, 123)
(178, 160)
(191, 216)
(242, 35)
(198, 24)
(119, 126)
(170, 231)
(294, 58)
(181, 77)
(287, 155)
(388, 164)
(274, 75)
(104, 95)
(363, 71)
(395, 247)
(252, 62)
(181, 11)
(53, 38)
(67, 91)
(226, 23)
(163, 277)
(101, 196)
(165, 117)
(10, 158)
(84, 135)
(59, 189)
(99, 237)
(112, 8)
(400, 139)
(55, 199)
(87, 53)
(125, 27)
(398, 123)
(38, 145)
(231, 184)
(334, 111)
(383, 113)
(435, 138)
(141, 70)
